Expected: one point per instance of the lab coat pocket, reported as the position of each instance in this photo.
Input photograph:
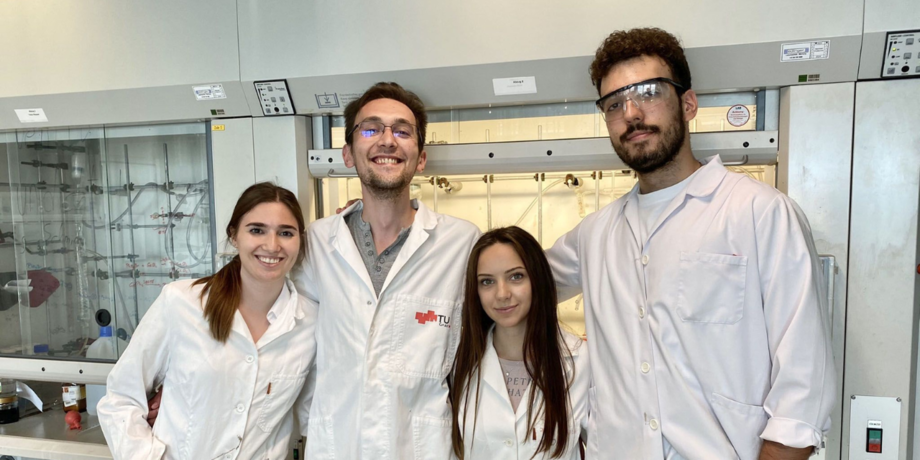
(424, 341)
(320, 439)
(711, 288)
(592, 450)
(431, 437)
(279, 402)
(742, 423)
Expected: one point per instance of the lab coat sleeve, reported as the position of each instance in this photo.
(564, 261)
(304, 276)
(579, 390)
(123, 410)
(803, 387)
(305, 401)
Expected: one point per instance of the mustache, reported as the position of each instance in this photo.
(639, 127)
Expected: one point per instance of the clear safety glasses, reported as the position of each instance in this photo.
(643, 95)
(371, 128)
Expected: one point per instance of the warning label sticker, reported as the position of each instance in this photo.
(209, 92)
(806, 51)
(738, 115)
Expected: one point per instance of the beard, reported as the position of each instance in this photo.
(643, 159)
(383, 187)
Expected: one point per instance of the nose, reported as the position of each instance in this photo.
(633, 112)
(387, 139)
(272, 244)
(503, 292)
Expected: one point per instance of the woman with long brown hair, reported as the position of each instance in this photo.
(520, 382)
(231, 350)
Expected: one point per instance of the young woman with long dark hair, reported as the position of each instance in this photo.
(520, 382)
(231, 350)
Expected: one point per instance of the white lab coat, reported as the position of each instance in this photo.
(382, 363)
(500, 433)
(713, 332)
(216, 402)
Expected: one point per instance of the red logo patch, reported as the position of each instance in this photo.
(425, 317)
(430, 316)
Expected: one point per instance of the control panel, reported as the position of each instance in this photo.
(902, 55)
(875, 428)
(274, 98)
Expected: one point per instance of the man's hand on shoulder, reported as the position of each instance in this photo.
(347, 205)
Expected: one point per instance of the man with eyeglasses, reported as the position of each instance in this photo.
(704, 317)
(387, 274)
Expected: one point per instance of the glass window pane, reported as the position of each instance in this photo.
(97, 219)
(565, 120)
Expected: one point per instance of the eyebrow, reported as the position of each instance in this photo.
(506, 271)
(376, 118)
(260, 224)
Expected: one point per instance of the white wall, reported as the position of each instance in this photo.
(63, 46)
(296, 38)
(892, 15)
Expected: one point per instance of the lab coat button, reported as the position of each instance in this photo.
(645, 259)
(240, 408)
(250, 359)
(641, 312)
(645, 368)
(509, 442)
(369, 302)
(653, 424)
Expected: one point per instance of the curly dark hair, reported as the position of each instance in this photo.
(387, 90)
(624, 45)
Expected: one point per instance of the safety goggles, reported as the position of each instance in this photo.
(643, 95)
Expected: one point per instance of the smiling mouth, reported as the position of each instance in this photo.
(386, 161)
(269, 260)
(506, 309)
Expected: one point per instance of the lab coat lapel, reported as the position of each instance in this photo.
(631, 212)
(425, 220)
(240, 327)
(615, 241)
(703, 183)
(287, 319)
(522, 406)
(493, 376)
(344, 244)
(495, 379)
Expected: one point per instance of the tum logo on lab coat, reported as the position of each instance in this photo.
(443, 321)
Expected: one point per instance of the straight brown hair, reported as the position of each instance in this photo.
(224, 289)
(545, 349)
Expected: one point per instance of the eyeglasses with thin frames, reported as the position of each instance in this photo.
(372, 128)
